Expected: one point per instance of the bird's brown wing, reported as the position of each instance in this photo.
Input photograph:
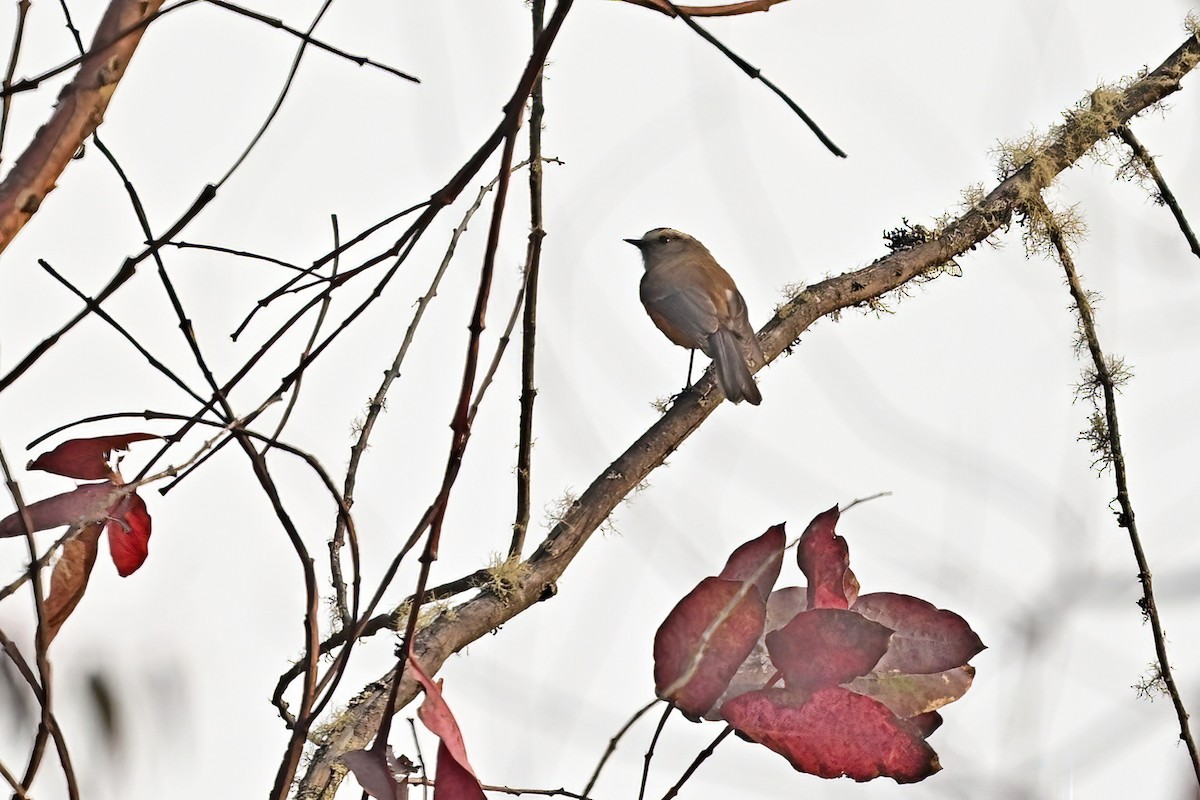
(684, 313)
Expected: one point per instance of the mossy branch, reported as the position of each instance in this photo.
(1103, 378)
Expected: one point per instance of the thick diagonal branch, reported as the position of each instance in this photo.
(79, 111)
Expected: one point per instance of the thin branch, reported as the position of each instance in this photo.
(560, 792)
(294, 397)
(460, 427)
(48, 725)
(325, 259)
(756, 74)
(1103, 376)
(378, 402)
(309, 40)
(283, 93)
(497, 356)
(701, 757)
(474, 619)
(649, 755)
(13, 56)
(14, 784)
(615, 740)
(235, 252)
(126, 271)
(533, 261)
(726, 10)
(1164, 191)
(95, 308)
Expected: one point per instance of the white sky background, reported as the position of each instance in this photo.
(960, 403)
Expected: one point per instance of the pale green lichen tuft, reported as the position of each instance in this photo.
(1191, 24)
(1041, 223)
(505, 575)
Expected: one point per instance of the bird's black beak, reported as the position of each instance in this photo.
(635, 242)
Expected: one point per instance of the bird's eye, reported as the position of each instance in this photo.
(664, 239)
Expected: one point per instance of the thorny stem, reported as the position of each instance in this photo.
(14, 55)
(614, 741)
(533, 260)
(700, 758)
(662, 723)
(1125, 519)
(460, 428)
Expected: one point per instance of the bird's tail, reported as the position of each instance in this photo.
(732, 371)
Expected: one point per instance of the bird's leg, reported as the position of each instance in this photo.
(687, 387)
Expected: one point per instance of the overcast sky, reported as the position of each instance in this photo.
(960, 403)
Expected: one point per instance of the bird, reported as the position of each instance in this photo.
(698, 306)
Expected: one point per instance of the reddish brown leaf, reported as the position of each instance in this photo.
(86, 459)
(825, 647)
(70, 577)
(912, 695)
(927, 638)
(784, 604)
(758, 560)
(129, 534)
(824, 557)
(376, 774)
(455, 779)
(704, 640)
(82, 506)
(834, 732)
(927, 723)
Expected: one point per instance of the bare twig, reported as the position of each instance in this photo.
(308, 39)
(649, 755)
(614, 741)
(1102, 376)
(756, 74)
(104, 315)
(560, 792)
(1164, 191)
(460, 427)
(533, 261)
(126, 271)
(13, 55)
(726, 10)
(700, 758)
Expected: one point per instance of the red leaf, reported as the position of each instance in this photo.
(927, 638)
(825, 558)
(833, 733)
(704, 640)
(455, 779)
(376, 774)
(82, 506)
(129, 534)
(758, 560)
(825, 647)
(910, 696)
(70, 577)
(86, 459)
(927, 723)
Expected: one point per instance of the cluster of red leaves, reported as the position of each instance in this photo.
(862, 676)
(384, 777)
(89, 509)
